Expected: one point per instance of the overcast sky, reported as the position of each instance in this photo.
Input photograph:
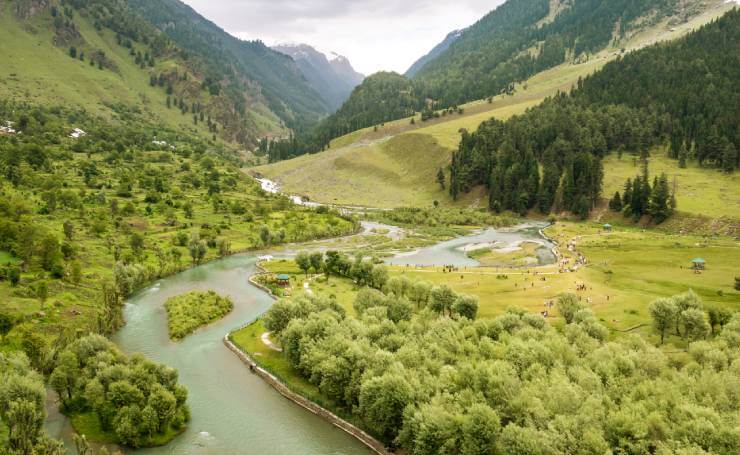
(374, 34)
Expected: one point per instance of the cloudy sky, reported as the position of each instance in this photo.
(374, 34)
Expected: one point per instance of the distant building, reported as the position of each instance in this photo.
(7, 129)
(77, 133)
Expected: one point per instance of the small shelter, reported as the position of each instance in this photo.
(283, 280)
(608, 227)
(699, 263)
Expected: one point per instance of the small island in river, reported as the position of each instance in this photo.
(188, 312)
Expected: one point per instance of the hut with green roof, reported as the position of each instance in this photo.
(699, 263)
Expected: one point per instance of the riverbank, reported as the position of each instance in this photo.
(372, 443)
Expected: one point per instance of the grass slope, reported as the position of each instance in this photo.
(35, 71)
(395, 164)
(708, 192)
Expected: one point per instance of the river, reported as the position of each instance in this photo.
(233, 411)
(453, 252)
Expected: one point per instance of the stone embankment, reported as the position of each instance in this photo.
(309, 405)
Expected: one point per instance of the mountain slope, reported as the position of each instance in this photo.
(111, 58)
(333, 79)
(353, 182)
(521, 38)
(280, 81)
(434, 53)
(511, 44)
(682, 93)
(381, 97)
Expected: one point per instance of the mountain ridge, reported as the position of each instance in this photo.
(434, 53)
(332, 75)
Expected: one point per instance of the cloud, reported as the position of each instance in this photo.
(374, 34)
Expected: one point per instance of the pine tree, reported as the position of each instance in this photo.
(683, 155)
(441, 178)
(659, 200)
(615, 204)
(627, 199)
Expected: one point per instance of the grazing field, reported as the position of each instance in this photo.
(626, 270)
(699, 191)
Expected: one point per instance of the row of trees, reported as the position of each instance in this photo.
(513, 384)
(684, 314)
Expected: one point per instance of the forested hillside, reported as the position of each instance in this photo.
(510, 44)
(238, 63)
(380, 98)
(110, 58)
(681, 92)
(521, 38)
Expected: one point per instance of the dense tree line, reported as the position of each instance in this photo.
(691, 83)
(420, 372)
(620, 109)
(640, 198)
(133, 398)
(567, 140)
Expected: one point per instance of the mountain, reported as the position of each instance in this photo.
(434, 53)
(242, 63)
(381, 97)
(332, 77)
(345, 70)
(510, 44)
(524, 37)
(680, 94)
(157, 61)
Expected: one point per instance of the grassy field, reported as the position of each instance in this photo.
(626, 270)
(395, 164)
(701, 191)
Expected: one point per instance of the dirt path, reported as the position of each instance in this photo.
(266, 340)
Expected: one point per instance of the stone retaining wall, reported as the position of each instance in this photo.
(309, 405)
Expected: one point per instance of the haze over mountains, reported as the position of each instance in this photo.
(332, 76)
